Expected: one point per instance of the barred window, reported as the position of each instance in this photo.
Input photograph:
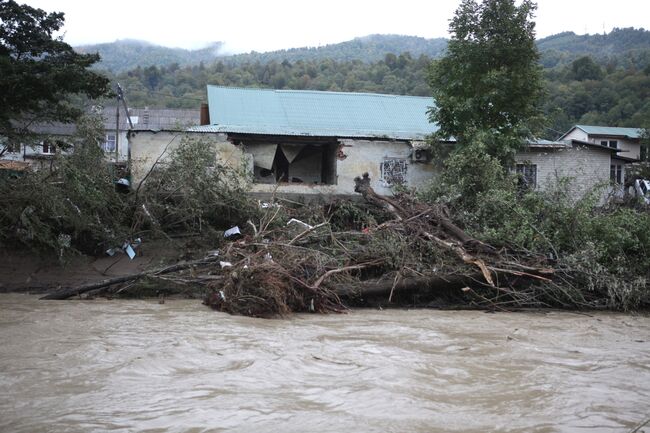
(393, 171)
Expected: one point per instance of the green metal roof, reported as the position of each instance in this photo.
(314, 113)
(611, 130)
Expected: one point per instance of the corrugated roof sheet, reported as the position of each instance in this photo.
(610, 130)
(314, 113)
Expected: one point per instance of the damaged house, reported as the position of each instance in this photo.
(312, 143)
(307, 142)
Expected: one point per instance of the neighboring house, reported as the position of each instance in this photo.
(142, 119)
(542, 163)
(48, 140)
(51, 138)
(625, 141)
(307, 142)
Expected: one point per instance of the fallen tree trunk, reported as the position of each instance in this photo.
(69, 292)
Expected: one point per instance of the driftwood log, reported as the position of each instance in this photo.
(69, 292)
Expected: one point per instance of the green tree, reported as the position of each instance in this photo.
(585, 68)
(489, 79)
(38, 72)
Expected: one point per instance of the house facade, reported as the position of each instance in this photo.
(52, 138)
(542, 163)
(305, 143)
(626, 142)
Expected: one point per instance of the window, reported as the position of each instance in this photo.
(616, 173)
(49, 148)
(393, 171)
(109, 144)
(527, 175)
(613, 144)
(604, 143)
(307, 162)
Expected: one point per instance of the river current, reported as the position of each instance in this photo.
(122, 366)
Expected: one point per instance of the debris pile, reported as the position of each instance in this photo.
(393, 250)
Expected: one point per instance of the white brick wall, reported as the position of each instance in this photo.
(586, 166)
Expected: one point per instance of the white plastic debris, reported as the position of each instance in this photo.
(213, 253)
(265, 205)
(295, 221)
(268, 257)
(225, 264)
(223, 295)
(129, 251)
(231, 232)
(311, 305)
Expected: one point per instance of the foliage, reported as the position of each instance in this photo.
(603, 252)
(39, 73)
(489, 79)
(71, 208)
(193, 193)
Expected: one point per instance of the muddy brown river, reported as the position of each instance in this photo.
(123, 366)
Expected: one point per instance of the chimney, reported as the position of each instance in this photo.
(205, 114)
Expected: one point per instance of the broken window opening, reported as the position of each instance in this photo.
(311, 164)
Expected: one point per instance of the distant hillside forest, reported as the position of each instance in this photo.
(601, 79)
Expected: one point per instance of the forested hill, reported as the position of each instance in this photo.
(607, 81)
(126, 54)
(367, 49)
(556, 50)
(565, 47)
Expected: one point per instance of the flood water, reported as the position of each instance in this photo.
(84, 366)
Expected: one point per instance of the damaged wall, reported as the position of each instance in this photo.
(330, 172)
(353, 157)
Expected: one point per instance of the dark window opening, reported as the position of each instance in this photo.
(312, 164)
(527, 175)
(616, 173)
(49, 148)
(613, 144)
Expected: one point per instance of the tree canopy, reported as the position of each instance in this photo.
(489, 79)
(39, 73)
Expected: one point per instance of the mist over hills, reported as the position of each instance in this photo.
(562, 48)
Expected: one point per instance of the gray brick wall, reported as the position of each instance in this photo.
(585, 166)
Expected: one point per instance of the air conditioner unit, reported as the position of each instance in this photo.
(421, 155)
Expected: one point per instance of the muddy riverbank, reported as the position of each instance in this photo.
(139, 365)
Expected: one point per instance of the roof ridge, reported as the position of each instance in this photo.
(320, 92)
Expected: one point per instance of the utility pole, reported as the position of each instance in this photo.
(120, 97)
(117, 126)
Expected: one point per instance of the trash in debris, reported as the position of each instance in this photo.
(129, 251)
(123, 181)
(225, 264)
(268, 257)
(111, 251)
(213, 253)
(223, 295)
(295, 221)
(264, 205)
(231, 232)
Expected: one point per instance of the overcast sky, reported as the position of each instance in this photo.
(264, 25)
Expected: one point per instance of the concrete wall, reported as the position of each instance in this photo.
(586, 166)
(355, 158)
(147, 147)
